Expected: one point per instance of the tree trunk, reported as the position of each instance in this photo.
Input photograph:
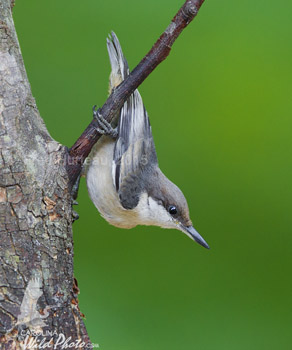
(35, 212)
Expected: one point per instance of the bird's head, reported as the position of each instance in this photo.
(169, 209)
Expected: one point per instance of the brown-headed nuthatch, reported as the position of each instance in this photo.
(123, 179)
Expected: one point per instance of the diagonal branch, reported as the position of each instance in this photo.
(82, 147)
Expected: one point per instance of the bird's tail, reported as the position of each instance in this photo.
(119, 65)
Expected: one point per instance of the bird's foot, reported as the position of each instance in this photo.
(75, 215)
(104, 127)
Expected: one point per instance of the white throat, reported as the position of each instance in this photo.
(152, 213)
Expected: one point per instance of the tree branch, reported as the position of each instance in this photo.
(82, 147)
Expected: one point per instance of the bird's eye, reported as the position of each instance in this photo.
(172, 210)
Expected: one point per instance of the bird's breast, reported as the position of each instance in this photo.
(101, 188)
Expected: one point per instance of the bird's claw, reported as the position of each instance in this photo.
(75, 215)
(104, 127)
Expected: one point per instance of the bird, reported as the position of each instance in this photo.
(123, 178)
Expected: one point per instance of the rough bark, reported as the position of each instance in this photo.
(35, 204)
(37, 287)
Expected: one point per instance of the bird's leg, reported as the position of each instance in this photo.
(74, 194)
(75, 188)
(104, 127)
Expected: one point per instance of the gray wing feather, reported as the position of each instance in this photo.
(134, 149)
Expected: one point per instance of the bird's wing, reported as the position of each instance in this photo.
(134, 151)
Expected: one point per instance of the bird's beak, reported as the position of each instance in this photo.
(193, 234)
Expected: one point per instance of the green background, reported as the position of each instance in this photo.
(220, 107)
